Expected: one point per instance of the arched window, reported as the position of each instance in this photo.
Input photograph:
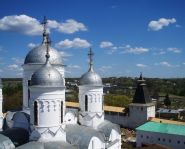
(35, 113)
(86, 103)
(61, 111)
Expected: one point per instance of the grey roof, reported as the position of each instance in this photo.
(91, 78)
(6, 143)
(106, 127)
(47, 76)
(18, 136)
(37, 56)
(47, 145)
(81, 135)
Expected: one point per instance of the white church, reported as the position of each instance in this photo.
(45, 122)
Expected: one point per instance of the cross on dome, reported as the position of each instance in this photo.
(90, 54)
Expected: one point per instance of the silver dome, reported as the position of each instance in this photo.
(37, 56)
(47, 76)
(91, 78)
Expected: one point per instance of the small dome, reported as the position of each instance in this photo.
(47, 76)
(91, 78)
(37, 56)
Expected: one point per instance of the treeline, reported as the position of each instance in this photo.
(119, 95)
(155, 85)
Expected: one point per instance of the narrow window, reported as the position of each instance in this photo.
(178, 142)
(29, 83)
(61, 111)
(35, 113)
(86, 103)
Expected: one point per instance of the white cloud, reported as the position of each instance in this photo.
(75, 43)
(175, 50)
(13, 66)
(65, 54)
(22, 24)
(105, 68)
(32, 45)
(134, 50)
(164, 63)
(159, 24)
(31, 26)
(183, 63)
(141, 65)
(71, 26)
(74, 66)
(18, 60)
(106, 44)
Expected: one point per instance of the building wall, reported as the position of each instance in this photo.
(96, 143)
(170, 140)
(138, 115)
(117, 118)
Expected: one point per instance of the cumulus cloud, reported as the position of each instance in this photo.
(104, 69)
(134, 50)
(159, 24)
(74, 66)
(106, 44)
(174, 50)
(32, 45)
(22, 24)
(14, 67)
(141, 65)
(71, 26)
(31, 26)
(166, 64)
(75, 43)
(17, 60)
(65, 54)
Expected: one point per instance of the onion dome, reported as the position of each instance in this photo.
(37, 54)
(47, 76)
(91, 77)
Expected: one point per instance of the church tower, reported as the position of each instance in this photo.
(91, 97)
(34, 60)
(47, 98)
(142, 108)
(1, 105)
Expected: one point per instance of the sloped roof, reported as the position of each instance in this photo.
(165, 128)
(47, 145)
(106, 127)
(141, 93)
(81, 135)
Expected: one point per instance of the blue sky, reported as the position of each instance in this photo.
(127, 36)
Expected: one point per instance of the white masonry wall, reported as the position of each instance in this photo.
(50, 127)
(95, 111)
(169, 140)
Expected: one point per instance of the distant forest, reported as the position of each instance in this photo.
(118, 94)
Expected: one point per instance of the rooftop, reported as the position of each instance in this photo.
(167, 121)
(160, 127)
(106, 108)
